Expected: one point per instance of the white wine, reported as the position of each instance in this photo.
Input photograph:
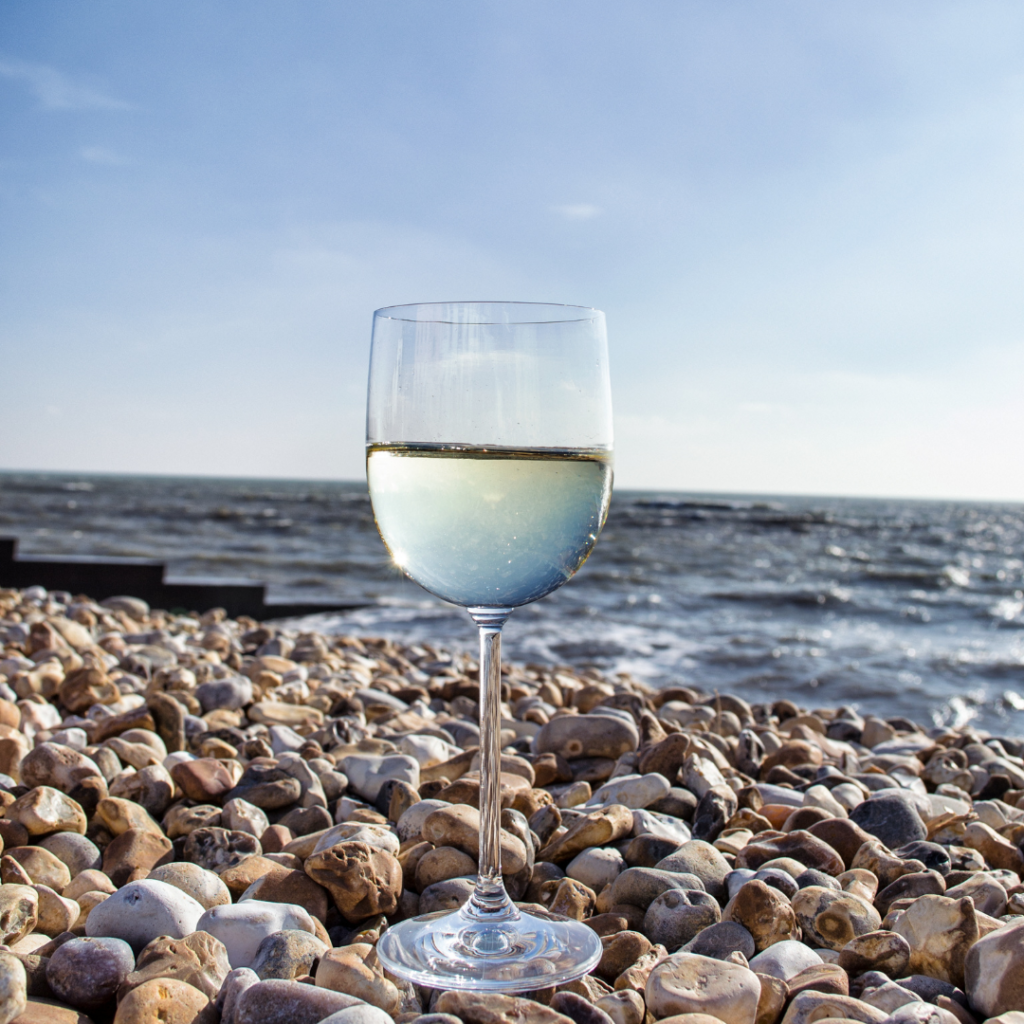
(488, 526)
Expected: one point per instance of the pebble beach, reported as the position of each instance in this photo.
(207, 819)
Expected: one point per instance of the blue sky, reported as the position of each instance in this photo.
(803, 219)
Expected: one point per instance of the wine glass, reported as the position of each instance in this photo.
(489, 463)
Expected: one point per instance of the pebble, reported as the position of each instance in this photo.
(994, 971)
(703, 860)
(579, 736)
(764, 912)
(141, 911)
(364, 1014)
(578, 1009)
(76, 851)
(719, 941)
(939, 931)
(355, 969)
(626, 1007)
(410, 824)
(243, 926)
(634, 791)
(596, 867)
(278, 1001)
(687, 983)
(86, 973)
(241, 816)
(785, 959)
(204, 886)
(363, 881)
(162, 1001)
(811, 1006)
(198, 959)
(459, 826)
(19, 912)
(367, 773)
(639, 887)
(289, 953)
(831, 919)
(884, 951)
(13, 988)
(891, 819)
(678, 915)
(493, 1008)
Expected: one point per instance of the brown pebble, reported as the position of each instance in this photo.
(619, 952)
(164, 1001)
(764, 912)
(804, 817)
(828, 978)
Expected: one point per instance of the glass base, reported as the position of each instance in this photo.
(524, 950)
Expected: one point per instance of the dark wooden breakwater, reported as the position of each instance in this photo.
(144, 578)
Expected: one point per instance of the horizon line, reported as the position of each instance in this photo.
(805, 495)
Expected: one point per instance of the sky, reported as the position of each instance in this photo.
(802, 219)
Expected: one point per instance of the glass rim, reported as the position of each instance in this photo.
(388, 312)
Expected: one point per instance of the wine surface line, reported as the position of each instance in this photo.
(483, 525)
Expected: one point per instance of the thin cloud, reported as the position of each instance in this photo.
(578, 211)
(99, 155)
(56, 91)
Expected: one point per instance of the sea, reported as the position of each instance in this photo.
(898, 608)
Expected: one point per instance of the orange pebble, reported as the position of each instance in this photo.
(776, 813)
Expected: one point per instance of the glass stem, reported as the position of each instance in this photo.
(490, 899)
